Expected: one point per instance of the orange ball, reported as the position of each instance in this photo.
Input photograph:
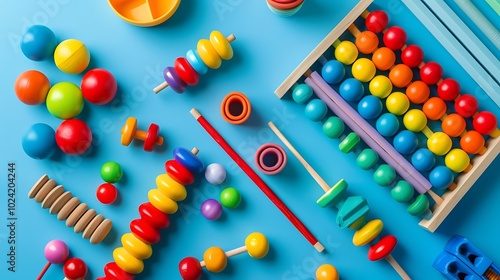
(472, 142)
(434, 108)
(367, 42)
(384, 58)
(453, 125)
(401, 75)
(418, 92)
(31, 87)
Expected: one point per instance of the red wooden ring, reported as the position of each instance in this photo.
(186, 71)
(113, 271)
(285, 6)
(382, 248)
(144, 231)
(179, 173)
(150, 142)
(153, 216)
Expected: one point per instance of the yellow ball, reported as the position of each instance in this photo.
(415, 120)
(397, 103)
(327, 272)
(208, 54)
(346, 52)
(363, 70)
(221, 45)
(136, 247)
(170, 188)
(439, 143)
(215, 259)
(162, 202)
(257, 245)
(72, 56)
(380, 86)
(367, 233)
(457, 160)
(127, 262)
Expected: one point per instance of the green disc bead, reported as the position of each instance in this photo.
(349, 142)
(230, 198)
(111, 172)
(384, 175)
(302, 93)
(402, 192)
(334, 195)
(419, 206)
(333, 127)
(367, 159)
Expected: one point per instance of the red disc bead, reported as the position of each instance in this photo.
(144, 231)
(395, 38)
(472, 142)
(186, 71)
(190, 269)
(113, 271)
(431, 73)
(179, 173)
(448, 89)
(485, 122)
(382, 248)
(153, 216)
(412, 56)
(377, 21)
(75, 268)
(466, 105)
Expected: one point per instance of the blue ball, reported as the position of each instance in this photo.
(351, 90)
(302, 93)
(441, 177)
(316, 110)
(38, 43)
(387, 125)
(423, 160)
(40, 141)
(333, 72)
(370, 107)
(405, 142)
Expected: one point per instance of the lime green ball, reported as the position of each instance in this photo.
(65, 100)
(111, 172)
(230, 198)
(384, 175)
(402, 192)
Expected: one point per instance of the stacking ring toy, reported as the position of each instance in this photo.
(270, 158)
(235, 108)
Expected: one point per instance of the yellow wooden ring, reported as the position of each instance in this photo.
(162, 202)
(171, 188)
(367, 233)
(221, 45)
(215, 259)
(136, 247)
(208, 54)
(128, 131)
(127, 262)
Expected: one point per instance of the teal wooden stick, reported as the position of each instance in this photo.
(480, 20)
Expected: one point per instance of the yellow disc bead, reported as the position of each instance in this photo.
(439, 143)
(136, 247)
(415, 120)
(215, 259)
(363, 70)
(221, 45)
(380, 86)
(397, 103)
(457, 160)
(127, 262)
(171, 188)
(162, 202)
(327, 272)
(208, 54)
(367, 233)
(346, 52)
(257, 245)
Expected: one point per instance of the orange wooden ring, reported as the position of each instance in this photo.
(235, 108)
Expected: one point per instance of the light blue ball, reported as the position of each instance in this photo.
(441, 177)
(405, 142)
(333, 72)
(316, 110)
(302, 93)
(351, 90)
(387, 125)
(40, 141)
(370, 107)
(423, 160)
(38, 43)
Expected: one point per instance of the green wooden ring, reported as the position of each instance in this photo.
(334, 195)
(349, 142)
(419, 206)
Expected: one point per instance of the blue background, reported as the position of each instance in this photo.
(267, 49)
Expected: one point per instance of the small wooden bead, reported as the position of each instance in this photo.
(327, 272)
(196, 62)
(333, 195)
(162, 202)
(333, 72)
(316, 110)
(441, 177)
(485, 123)
(419, 206)
(170, 187)
(418, 92)
(412, 56)
(448, 89)
(401, 75)
(380, 86)
(384, 175)
(221, 45)
(178, 172)
(208, 54)
(431, 73)
(376, 21)
(363, 70)
(384, 58)
(423, 160)
(60, 202)
(82, 223)
(76, 214)
(453, 125)
(405, 142)
(415, 120)
(367, 233)
(187, 159)
(395, 38)
(349, 143)
(351, 211)
(113, 271)
(439, 143)
(466, 105)
(382, 248)
(370, 107)
(351, 90)
(45, 190)
(457, 160)
(186, 72)
(190, 269)
(472, 142)
(52, 196)
(333, 127)
(127, 262)
(397, 103)
(215, 259)
(346, 52)
(367, 42)
(173, 80)
(136, 247)
(93, 224)
(367, 159)
(387, 125)
(153, 216)
(257, 245)
(434, 108)
(101, 231)
(301, 93)
(402, 192)
(144, 231)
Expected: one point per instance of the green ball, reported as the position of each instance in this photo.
(111, 172)
(333, 127)
(384, 175)
(65, 100)
(230, 198)
(419, 206)
(367, 159)
(402, 192)
(302, 93)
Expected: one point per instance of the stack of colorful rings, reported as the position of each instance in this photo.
(235, 108)
(270, 158)
(285, 8)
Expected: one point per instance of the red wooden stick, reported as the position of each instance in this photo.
(42, 273)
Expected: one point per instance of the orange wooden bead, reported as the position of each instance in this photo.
(384, 58)
(418, 92)
(401, 75)
(473, 143)
(453, 125)
(434, 108)
(367, 42)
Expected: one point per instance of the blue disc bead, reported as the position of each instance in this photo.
(188, 160)
(195, 61)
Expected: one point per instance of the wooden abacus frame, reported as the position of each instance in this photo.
(464, 181)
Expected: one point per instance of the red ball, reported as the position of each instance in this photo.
(431, 73)
(377, 21)
(99, 86)
(412, 56)
(113, 271)
(190, 268)
(448, 89)
(75, 268)
(153, 216)
(485, 122)
(107, 193)
(144, 231)
(73, 137)
(395, 38)
(466, 105)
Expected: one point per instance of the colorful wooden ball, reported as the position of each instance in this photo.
(367, 159)
(485, 122)
(401, 75)
(439, 143)
(99, 86)
(380, 86)
(302, 93)
(111, 172)
(448, 89)
(187, 159)
(384, 175)
(215, 174)
(415, 120)
(472, 142)
(215, 259)
(230, 198)
(457, 160)
(346, 52)
(31, 87)
(466, 105)
(75, 268)
(327, 272)
(384, 58)
(387, 125)
(405, 142)
(72, 56)
(65, 100)
(377, 21)
(363, 70)
(441, 177)
(395, 38)
(370, 107)
(434, 108)
(351, 90)
(453, 125)
(397, 103)
(56, 251)
(190, 269)
(412, 56)
(38, 43)
(402, 192)
(333, 127)
(316, 110)
(423, 160)
(73, 137)
(367, 42)
(106, 193)
(257, 245)
(39, 142)
(431, 73)
(333, 72)
(211, 209)
(418, 92)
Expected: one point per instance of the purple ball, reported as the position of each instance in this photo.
(211, 209)
(56, 251)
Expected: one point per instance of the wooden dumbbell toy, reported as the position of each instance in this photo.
(215, 259)
(151, 138)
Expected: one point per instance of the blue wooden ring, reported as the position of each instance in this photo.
(173, 80)
(195, 61)
(188, 160)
